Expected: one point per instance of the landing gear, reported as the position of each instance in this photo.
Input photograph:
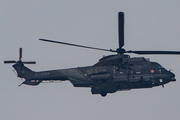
(103, 94)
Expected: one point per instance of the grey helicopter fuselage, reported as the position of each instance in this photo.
(112, 73)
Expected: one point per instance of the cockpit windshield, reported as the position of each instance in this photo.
(147, 59)
(156, 66)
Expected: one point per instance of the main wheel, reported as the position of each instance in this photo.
(103, 94)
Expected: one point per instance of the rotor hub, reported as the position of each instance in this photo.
(120, 50)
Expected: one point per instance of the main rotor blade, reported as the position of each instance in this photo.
(121, 29)
(155, 52)
(20, 53)
(30, 62)
(76, 45)
(10, 61)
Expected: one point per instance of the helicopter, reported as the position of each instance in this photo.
(112, 73)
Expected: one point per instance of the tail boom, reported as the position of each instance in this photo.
(35, 78)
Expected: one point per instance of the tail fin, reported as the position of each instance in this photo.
(26, 73)
(22, 71)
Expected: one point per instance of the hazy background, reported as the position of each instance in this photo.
(149, 25)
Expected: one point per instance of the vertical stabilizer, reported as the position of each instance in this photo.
(23, 71)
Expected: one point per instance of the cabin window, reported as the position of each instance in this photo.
(137, 69)
(89, 71)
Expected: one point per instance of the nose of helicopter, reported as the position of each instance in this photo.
(172, 76)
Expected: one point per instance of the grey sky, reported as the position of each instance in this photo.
(149, 25)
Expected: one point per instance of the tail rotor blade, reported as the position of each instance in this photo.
(121, 29)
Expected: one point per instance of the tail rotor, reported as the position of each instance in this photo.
(19, 61)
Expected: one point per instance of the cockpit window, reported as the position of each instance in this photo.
(159, 66)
